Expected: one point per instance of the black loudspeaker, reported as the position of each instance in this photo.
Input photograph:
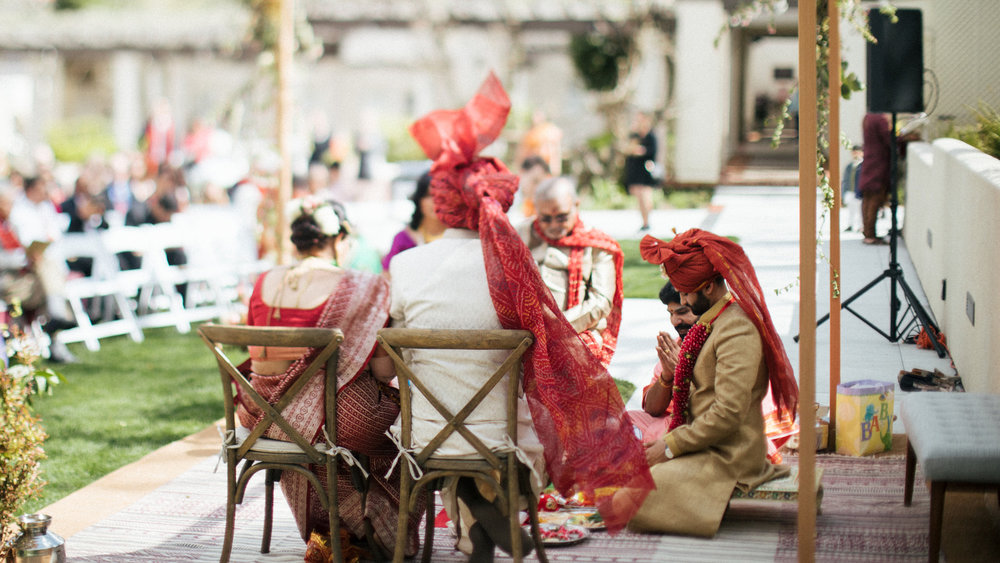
(896, 62)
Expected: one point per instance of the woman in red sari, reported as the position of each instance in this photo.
(317, 292)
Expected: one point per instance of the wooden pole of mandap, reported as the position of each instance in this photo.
(807, 280)
(286, 39)
(833, 64)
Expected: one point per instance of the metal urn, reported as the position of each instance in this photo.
(36, 544)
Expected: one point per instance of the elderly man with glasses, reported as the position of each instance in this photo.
(581, 266)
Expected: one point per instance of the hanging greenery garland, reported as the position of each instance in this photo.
(597, 57)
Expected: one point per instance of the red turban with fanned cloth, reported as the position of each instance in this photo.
(576, 408)
(696, 256)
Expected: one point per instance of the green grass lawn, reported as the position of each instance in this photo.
(122, 402)
(640, 279)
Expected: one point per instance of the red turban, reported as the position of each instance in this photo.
(694, 257)
(460, 179)
(683, 259)
(577, 410)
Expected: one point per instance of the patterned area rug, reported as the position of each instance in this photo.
(863, 519)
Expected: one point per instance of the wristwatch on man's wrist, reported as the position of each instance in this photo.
(667, 452)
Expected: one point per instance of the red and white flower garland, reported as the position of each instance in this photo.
(684, 372)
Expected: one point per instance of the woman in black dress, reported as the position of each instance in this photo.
(640, 160)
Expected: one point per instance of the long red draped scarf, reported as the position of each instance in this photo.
(695, 256)
(576, 408)
(578, 240)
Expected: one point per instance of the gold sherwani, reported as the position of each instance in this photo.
(724, 445)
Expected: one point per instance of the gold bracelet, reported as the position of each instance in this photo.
(662, 384)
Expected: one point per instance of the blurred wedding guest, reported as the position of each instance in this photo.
(424, 224)
(34, 217)
(300, 186)
(125, 199)
(29, 275)
(197, 143)
(369, 144)
(158, 136)
(318, 180)
(322, 137)
(875, 178)
(534, 171)
(123, 204)
(850, 185)
(170, 196)
(640, 161)
(581, 265)
(84, 209)
(318, 291)
(86, 214)
(544, 140)
(337, 187)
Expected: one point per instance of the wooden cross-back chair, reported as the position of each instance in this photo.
(434, 469)
(275, 456)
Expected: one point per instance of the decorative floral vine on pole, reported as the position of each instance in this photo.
(851, 11)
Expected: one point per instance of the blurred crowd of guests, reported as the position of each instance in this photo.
(43, 200)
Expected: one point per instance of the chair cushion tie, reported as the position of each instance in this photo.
(228, 441)
(415, 472)
(342, 452)
(509, 446)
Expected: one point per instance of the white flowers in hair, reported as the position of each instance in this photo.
(327, 220)
(322, 212)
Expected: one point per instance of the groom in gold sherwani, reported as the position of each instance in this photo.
(715, 442)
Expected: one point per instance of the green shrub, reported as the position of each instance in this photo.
(689, 198)
(21, 432)
(985, 134)
(597, 58)
(70, 4)
(626, 388)
(988, 123)
(606, 194)
(400, 145)
(79, 138)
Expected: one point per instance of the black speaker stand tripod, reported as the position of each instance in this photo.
(897, 326)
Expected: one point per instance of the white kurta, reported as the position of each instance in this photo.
(443, 285)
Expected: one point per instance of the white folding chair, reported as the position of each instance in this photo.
(102, 285)
(159, 303)
(222, 255)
